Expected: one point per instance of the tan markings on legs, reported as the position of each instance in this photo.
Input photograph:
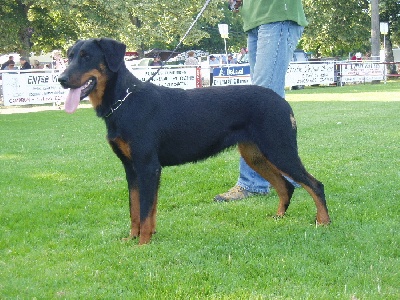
(147, 228)
(258, 162)
(134, 210)
(322, 211)
(153, 214)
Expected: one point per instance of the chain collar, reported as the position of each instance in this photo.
(117, 104)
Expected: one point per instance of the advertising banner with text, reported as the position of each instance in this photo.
(32, 88)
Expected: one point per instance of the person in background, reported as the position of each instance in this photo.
(10, 59)
(10, 65)
(25, 65)
(191, 60)
(243, 56)
(213, 63)
(36, 64)
(156, 61)
(274, 28)
(357, 57)
(231, 60)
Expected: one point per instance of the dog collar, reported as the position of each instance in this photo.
(117, 104)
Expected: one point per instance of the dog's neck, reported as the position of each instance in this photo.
(118, 103)
(107, 108)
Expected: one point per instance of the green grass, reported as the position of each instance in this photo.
(64, 210)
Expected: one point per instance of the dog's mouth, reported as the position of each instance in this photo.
(76, 95)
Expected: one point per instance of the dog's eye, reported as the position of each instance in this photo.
(84, 55)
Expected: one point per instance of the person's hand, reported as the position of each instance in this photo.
(234, 5)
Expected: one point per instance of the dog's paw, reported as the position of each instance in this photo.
(278, 217)
(129, 238)
(322, 221)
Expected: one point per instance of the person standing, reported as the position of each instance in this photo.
(213, 63)
(274, 28)
(156, 61)
(25, 65)
(191, 60)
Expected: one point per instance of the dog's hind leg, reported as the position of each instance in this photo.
(316, 189)
(258, 162)
(287, 162)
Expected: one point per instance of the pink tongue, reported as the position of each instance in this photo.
(72, 101)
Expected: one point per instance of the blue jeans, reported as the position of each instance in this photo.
(271, 48)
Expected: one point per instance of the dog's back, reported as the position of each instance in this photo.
(191, 125)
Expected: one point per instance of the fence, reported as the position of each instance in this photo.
(41, 86)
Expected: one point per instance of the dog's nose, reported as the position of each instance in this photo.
(63, 79)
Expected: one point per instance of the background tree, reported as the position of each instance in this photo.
(335, 29)
(29, 25)
(390, 13)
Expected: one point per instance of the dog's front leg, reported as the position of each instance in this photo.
(123, 151)
(134, 203)
(149, 179)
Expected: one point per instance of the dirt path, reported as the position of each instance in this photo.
(7, 110)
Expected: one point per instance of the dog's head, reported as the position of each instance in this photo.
(90, 64)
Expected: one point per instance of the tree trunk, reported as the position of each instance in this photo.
(375, 31)
(389, 57)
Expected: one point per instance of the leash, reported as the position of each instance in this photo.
(117, 104)
(183, 38)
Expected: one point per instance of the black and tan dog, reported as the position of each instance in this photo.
(150, 127)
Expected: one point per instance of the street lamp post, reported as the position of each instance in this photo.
(224, 32)
(384, 29)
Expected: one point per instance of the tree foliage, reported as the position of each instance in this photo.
(337, 27)
(31, 25)
(390, 12)
(47, 24)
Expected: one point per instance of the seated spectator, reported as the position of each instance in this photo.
(10, 65)
(10, 59)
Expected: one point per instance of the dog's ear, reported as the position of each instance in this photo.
(114, 53)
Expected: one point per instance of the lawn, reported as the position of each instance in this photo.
(64, 212)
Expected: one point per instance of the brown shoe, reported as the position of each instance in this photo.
(234, 194)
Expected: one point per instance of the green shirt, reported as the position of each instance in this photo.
(259, 12)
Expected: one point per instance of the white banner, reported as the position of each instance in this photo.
(31, 88)
(361, 72)
(297, 74)
(184, 78)
(310, 73)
